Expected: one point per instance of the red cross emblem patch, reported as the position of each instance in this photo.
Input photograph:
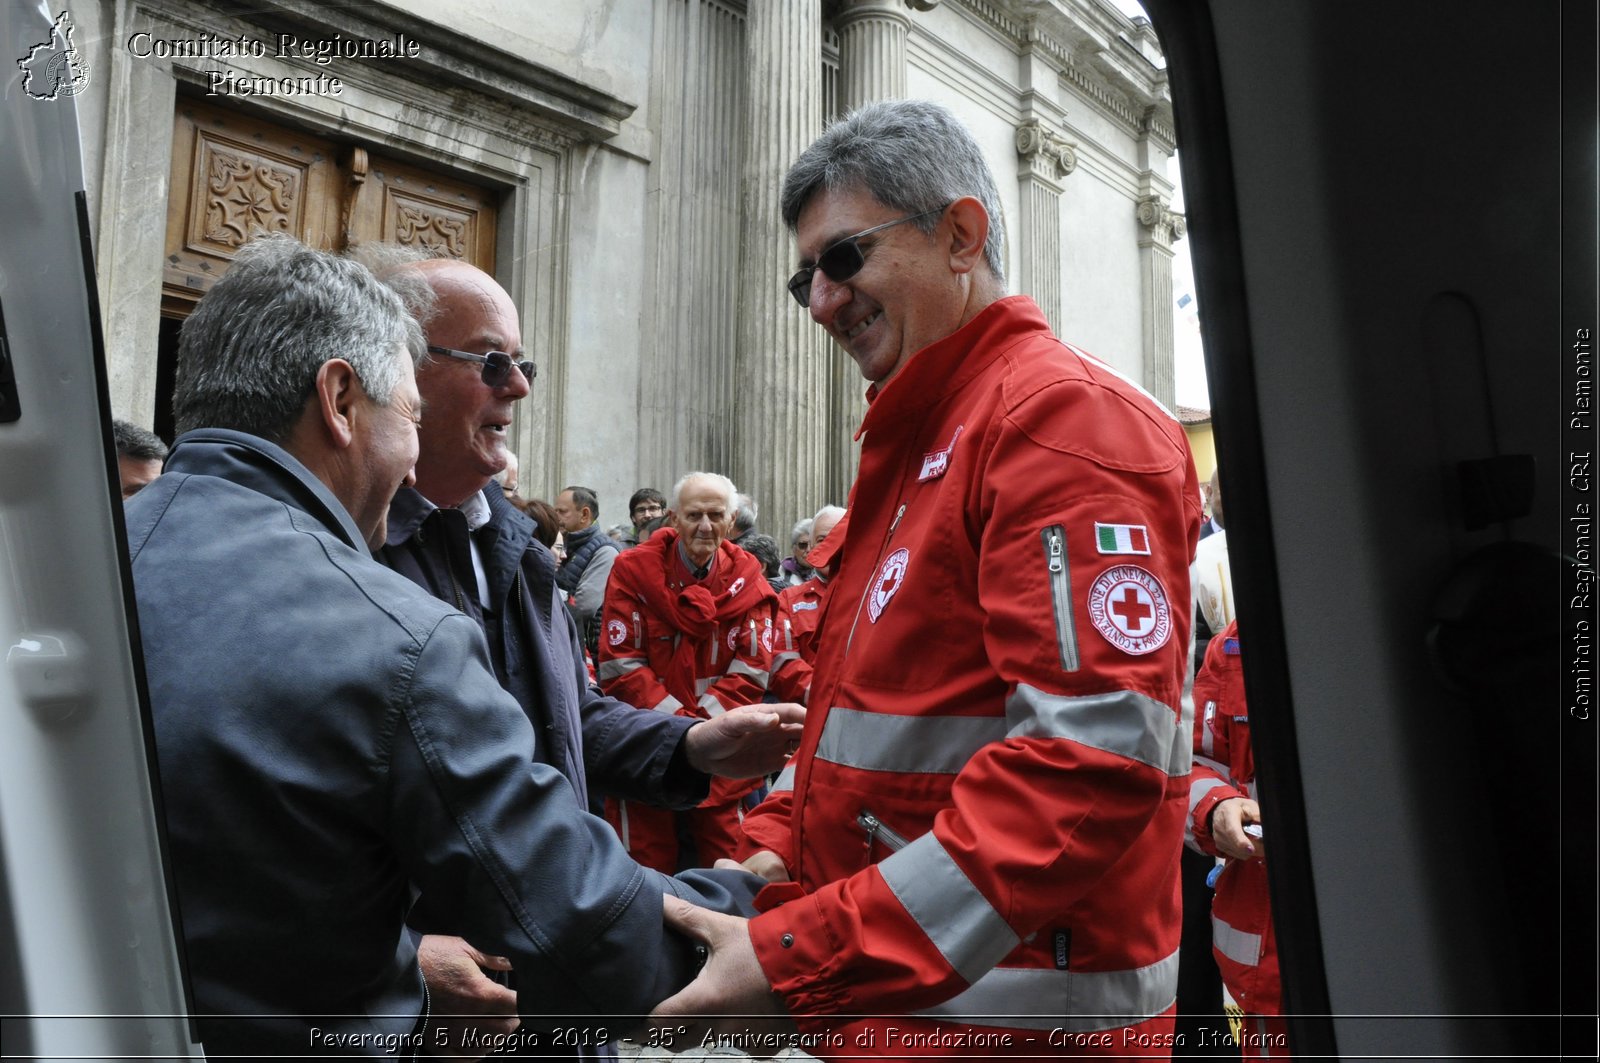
(1128, 605)
(888, 580)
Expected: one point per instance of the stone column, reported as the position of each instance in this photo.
(872, 66)
(1160, 227)
(1044, 159)
(779, 453)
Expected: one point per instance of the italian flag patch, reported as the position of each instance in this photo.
(1121, 538)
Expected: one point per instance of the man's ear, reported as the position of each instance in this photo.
(339, 391)
(969, 231)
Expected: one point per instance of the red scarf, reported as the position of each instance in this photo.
(734, 586)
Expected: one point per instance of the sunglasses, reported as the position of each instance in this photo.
(496, 365)
(843, 259)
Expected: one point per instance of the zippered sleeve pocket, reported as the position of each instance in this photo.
(876, 830)
(1054, 538)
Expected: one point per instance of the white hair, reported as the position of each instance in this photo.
(724, 484)
(835, 512)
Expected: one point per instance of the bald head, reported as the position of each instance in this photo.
(465, 421)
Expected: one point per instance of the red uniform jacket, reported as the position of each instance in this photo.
(1242, 938)
(794, 645)
(988, 805)
(695, 649)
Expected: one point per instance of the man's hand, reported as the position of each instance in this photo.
(464, 998)
(731, 994)
(1228, 821)
(766, 863)
(746, 742)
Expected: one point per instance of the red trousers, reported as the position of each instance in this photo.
(650, 834)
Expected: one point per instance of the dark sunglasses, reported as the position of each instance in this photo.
(843, 259)
(496, 365)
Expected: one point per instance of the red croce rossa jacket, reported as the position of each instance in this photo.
(697, 652)
(988, 804)
(1242, 938)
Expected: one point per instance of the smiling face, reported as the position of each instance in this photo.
(703, 517)
(905, 297)
(463, 419)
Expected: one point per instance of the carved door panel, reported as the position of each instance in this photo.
(401, 204)
(234, 175)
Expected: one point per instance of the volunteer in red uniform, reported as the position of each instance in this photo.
(1222, 792)
(794, 641)
(983, 835)
(687, 630)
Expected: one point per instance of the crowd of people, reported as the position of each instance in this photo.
(450, 769)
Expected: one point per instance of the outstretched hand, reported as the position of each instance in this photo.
(746, 742)
(731, 994)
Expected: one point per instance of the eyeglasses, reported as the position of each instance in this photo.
(843, 259)
(496, 365)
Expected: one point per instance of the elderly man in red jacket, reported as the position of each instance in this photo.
(979, 854)
(687, 630)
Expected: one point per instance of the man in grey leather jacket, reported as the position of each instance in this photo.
(331, 738)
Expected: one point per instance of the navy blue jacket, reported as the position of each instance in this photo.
(329, 737)
(600, 743)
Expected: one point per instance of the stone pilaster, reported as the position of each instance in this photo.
(1044, 160)
(872, 66)
(780, 446)
(1159, 227)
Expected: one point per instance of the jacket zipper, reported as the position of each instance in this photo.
(427, 1015)
(870, 580)
(1055, 557)
(638, 632)
(876, 829)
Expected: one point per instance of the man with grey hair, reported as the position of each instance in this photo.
(140, 453)
(988, 804)
(687, 632)
(330, 738)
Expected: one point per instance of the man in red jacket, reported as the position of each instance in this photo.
(794, 645)
(982, 839)
(1226, 822)
(687, 629)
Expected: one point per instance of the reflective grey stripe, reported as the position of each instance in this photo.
(620, 666)
(781, 659)
(1120, 722)
(1215, 765)
(785, 779)
(1207, 735)
(1250, 788)
(1071, 1001)
(710, 703)
(703, 684)
(1198, 790)
(959, 920)
(1180, 761)
(668, 704)
(738, 667)
(1235, 944)
(934, 745)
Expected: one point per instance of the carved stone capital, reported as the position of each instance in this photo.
(1044, 154)
(1165, 224)
(922, 5)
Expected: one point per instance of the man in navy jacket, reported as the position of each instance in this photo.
(331, 739)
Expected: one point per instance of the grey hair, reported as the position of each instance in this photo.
(730, 492)
(137, 443)
(801, 527)
(395, 266)
(827, 511)
(249, 354)
(912, 155)
(745, 513)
